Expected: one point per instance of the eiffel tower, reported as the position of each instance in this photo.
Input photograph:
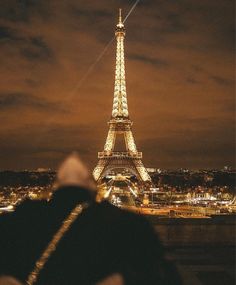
(120, 124)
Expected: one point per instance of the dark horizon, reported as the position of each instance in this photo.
(179, 75)
(42, 169)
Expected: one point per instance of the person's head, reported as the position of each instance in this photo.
(73, 172)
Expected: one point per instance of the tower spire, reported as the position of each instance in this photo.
(120, 107)
(120, 23)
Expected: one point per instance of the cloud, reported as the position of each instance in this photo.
(193, 145)
(37, 49)
(37, 142)
(30, 47)
(174, 23)
(192, 80)
(22, 11)
(87, 13)
(154, 61)
(179, 73)
(223, 81)
(6, 34)
(24, 100)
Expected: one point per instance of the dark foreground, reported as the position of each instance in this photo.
(203, 249)
(205, 265)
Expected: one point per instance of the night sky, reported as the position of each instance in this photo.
(179, 73)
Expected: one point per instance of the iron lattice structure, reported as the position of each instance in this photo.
(120, 124)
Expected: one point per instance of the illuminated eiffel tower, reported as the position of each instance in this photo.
(120, 124)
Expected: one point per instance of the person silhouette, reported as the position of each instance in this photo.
(103, 245)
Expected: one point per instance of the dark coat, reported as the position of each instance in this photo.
(103, 240)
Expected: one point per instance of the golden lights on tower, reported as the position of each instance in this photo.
(120, 124)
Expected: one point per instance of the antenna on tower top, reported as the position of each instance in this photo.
(120, 22)
(120, 16)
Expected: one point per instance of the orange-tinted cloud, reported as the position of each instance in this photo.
(179, 72)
